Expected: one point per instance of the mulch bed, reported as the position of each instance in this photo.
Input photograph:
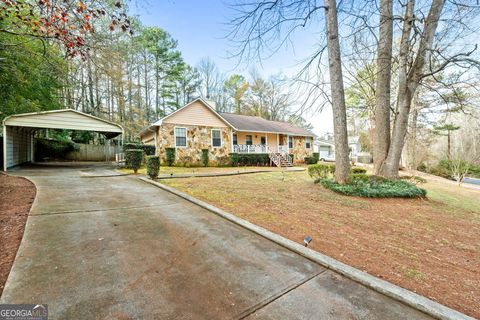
(16, 198)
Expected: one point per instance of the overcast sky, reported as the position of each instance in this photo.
(201, 28)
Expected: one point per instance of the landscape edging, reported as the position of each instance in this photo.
(405, 296)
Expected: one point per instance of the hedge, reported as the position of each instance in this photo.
(205, 157)
(153, 166)
(249, 159)
(316, 157)
(170, 156)
(133, 159)
(148, 149)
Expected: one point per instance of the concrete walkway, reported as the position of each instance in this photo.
(118, 248)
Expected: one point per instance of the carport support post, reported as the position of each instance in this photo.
(4, 147)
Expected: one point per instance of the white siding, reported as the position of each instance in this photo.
(65, 119)
(18, 146)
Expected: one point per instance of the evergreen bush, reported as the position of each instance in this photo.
(133, 159)
(170, 156)
(153, 166)
(205, 157)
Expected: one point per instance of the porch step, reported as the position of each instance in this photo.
(281, 160)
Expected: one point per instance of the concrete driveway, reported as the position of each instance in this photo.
(114, 247)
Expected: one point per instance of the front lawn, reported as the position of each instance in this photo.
(188, 170)
(428, 245)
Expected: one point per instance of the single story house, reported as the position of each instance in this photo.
(197, 126)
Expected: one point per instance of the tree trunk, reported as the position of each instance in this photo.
(449, 145)
(408, 83)
(382, 90)
(342, 164)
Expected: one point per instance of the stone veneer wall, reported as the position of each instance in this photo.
(299, 150)
(198, 138)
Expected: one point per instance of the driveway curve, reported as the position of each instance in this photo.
(102, 246)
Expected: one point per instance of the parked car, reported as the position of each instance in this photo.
(329, 158)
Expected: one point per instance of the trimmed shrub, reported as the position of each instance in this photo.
(133, 159)
(170, 156)
(310, 160)
(358, 170)
(153, 166)
(324, 170)
(358, 176)
(321, 170)
(250, 159)
(132, 145)
(316, 157)
(205, 157)
(234, 159)
(148, 149)
(374, 188)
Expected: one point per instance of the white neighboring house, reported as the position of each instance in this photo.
(326, 150)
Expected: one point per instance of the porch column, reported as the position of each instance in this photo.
(278, 142)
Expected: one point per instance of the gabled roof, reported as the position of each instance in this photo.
(244, 123)
(159, 122)
(258, 124)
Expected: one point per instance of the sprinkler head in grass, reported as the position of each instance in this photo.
(307, 240)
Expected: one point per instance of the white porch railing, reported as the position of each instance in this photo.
(283, 149)
(253, 148)
(259, 148)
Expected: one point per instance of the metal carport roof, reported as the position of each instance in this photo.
(18, 131)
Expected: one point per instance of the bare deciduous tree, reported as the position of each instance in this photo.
(266, 26)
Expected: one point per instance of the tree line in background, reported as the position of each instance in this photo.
(95, 58)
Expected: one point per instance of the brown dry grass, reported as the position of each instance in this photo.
(431, 246)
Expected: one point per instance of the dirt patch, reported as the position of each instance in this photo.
(430, 246)
(16, 198)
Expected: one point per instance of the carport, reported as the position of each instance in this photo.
(19, 131)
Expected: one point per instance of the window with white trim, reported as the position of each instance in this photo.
(290, 142)
(235, 139)
(248, 140)
(308, 142)
(180, 137)
(216, 138)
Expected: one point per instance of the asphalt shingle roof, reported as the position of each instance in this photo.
(251, 123)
